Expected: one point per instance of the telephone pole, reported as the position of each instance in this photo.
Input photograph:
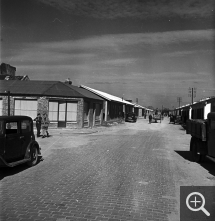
(179, 99)
(192, 93)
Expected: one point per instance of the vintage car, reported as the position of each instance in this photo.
(157, 118)
(17, 141)
(175, 119)
(172, 119)
(130, 117)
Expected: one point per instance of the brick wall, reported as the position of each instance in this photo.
(43, 105)
(5, 106)
(80, 114)
(72, 125)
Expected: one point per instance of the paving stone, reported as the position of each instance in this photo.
(109, 176)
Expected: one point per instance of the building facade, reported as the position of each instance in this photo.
(66, 105)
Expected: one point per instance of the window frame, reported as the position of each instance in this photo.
(11, 134)
(30, 126)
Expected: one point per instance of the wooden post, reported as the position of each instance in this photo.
(106, 110)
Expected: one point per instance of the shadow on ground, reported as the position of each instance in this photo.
(206, 163)
(10, 171)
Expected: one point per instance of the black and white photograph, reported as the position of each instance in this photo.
(107, 110)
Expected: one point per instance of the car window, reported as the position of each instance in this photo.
(25, 126)
(1, 127)
(11, 128)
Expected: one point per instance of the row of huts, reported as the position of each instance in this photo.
(67, 105)
(197, 110)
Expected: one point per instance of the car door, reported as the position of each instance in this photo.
(211, 138)
(13, 148)
(25, 134)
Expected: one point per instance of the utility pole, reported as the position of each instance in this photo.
(179, 99)
(136, 100)
(192, 93)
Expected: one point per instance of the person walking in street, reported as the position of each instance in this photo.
(45, 125)
(150, 118)
(38, 120)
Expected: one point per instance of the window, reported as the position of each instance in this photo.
(1, 107)
(25, 126)
(71, 111)
(86, 111)
(11, 127)
(53, 111)
(26, 107)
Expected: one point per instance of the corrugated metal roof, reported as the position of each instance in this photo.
(107, 96)
(44, 88)
(85, 93)
(139, 106)
(196, 102)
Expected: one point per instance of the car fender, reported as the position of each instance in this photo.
(28, 150)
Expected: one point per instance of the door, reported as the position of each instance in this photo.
(2, 138)
(25, 136)
(211, 138)
(62, 114)
(13, 147)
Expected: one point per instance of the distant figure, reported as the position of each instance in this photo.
(150, 118)
(38, 120)
(68, 81)
(45, 125)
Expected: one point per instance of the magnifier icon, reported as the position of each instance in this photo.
(195, 202)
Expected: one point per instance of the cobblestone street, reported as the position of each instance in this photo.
(129, 171)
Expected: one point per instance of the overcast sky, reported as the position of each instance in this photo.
(153, 50)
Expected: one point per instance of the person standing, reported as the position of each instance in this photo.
(38, 120)
(45, 125)
(150, 118)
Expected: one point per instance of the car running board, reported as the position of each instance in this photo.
(13, 164)
(211, 158)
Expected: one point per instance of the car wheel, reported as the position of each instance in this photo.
(196, 155)
(34, 156)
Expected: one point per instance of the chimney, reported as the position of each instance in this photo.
(68, 81)
(7, 69)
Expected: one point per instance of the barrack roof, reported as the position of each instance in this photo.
(107, 96)
(44, 88)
